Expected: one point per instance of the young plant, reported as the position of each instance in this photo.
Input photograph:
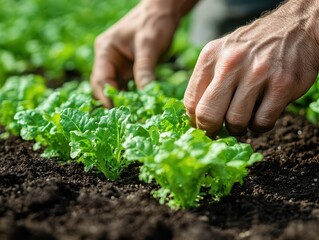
(45, 123)
(19, 94)
(98, 143)
(150, 128)
(307, 105)
(183, 160)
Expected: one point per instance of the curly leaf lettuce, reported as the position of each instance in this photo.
(19, 94)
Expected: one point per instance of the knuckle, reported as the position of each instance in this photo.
(143, 62)
(207, 58)
(209, 50)
(150, 39)
(263, 124)
(281, 80)
(148, 36)
(282, 84)
(281, 91)
(260, 69)
(236, 121)
(204, 120)
(96, 82)
(104, 40)
(232, 59)
(99, 41)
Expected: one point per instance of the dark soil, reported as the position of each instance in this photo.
(41, 199)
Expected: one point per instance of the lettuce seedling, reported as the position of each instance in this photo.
(47, 123)
(143, 104)
(183, 160)
(99, 144)
(313, 112)
(19, 94)
(307, 104)
(150, 128)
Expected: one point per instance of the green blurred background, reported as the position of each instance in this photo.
(53, 37)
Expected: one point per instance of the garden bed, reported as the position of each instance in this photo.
(41, 199)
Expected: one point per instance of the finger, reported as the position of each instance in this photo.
(146, 57)
(242, 105)
(212, 107)
(241, 108)
(104, 72)
(200, 80)
(272, 105)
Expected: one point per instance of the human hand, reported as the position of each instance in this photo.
(132, 47)
(249, 76)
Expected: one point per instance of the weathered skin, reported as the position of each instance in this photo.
(249, 76)
(132, 47)
(244, 79)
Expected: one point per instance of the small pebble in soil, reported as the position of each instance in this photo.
(244, 234)
(315, 212)
(203, 218)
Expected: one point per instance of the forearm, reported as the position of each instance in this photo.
(185, 6)
(178, 8)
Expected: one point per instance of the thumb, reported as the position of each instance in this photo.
(144, 65)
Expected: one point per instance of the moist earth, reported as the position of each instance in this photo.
(279, 199)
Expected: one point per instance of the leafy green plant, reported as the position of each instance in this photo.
(19, 94)
(57, 35)
(307, 105)
(144, 103)
(313, 112)
(45, 123)
(97, 142)
(145, 126)
(183, 160)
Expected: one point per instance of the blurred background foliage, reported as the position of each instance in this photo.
(55, 37)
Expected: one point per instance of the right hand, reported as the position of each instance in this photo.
(131, 48)
(247, 78)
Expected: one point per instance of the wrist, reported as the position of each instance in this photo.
(305, 13)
